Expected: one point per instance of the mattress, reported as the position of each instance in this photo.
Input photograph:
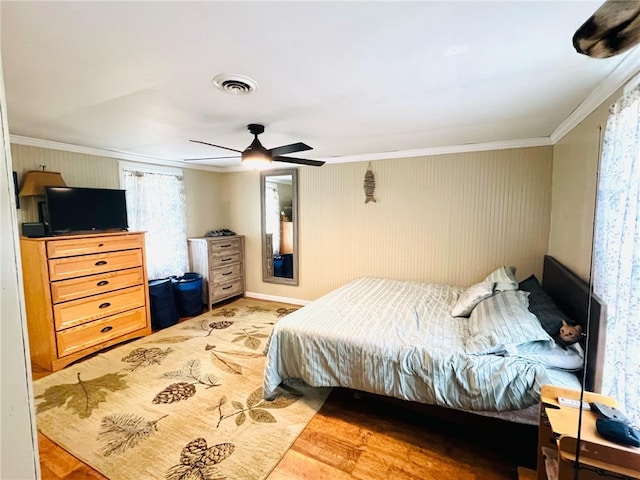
(398, 338)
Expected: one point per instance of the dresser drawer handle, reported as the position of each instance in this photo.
(225, 246)
(104, 305)
(226, 259)
(101, 244)
(106, 329)
(101, 262)
(227, 287)
(102, 283)
(228, 273)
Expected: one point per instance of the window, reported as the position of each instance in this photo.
(616, 256)
(156, 205)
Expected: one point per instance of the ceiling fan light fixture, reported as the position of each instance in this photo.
(255, 154)
(256, 157)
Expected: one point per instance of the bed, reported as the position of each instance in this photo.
(400, 339)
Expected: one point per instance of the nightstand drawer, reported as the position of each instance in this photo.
(226, 274)
(63, 268)
(73, 313)
(88, 245)
(74, 288)
(93, 333)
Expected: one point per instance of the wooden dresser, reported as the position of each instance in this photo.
(220, 261)
(83, 293)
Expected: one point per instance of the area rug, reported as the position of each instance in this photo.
(183, 403)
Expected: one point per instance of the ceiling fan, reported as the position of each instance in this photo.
(257, 153)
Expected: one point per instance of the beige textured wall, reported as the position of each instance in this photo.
(575, 165)
(448, 219)
(205, 206)
(203, 189)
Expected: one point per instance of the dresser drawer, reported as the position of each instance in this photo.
(226, 274)
(220, 259)
(74, 288)
(228, 289)
(88, 245)
(227, 245)
(93, 333)
(63, 268)
(75, 312)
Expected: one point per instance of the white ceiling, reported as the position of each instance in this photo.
(348, 78)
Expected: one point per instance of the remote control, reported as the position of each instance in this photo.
(568, 402)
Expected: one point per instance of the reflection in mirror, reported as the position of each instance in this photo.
(279, 202)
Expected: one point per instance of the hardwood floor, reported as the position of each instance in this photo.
(371, 438)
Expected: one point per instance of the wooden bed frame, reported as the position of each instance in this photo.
(574, 296)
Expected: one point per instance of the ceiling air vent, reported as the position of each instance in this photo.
(235, 84)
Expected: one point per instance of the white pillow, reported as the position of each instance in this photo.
(471, 297)
(501, 321)
(504, 278)
(551, 356)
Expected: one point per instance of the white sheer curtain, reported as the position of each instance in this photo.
(272, 214)
(156, 205)
(616, 259)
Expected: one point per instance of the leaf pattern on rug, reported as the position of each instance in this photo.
(283, 312)
(256, 407)
(251, 339)
(144, 357)
(83, 396)
(219, 359)
(191, 376)
(257, 309)
(175, 339)
(225, 312)
(196, 460)
(207, 325)
(120, 432)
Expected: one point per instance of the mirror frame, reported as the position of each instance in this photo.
(266, 277)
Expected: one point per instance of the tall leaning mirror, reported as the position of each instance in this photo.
(279, 210)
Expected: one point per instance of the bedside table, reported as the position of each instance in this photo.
(558, 427)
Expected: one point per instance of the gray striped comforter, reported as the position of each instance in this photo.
(398, 339)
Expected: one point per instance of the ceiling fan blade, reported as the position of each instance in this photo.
(300, 161)
(217, 146)
(209, 158)
(294, 147)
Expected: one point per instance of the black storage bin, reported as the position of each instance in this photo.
(188, 293)
(283, 265)
(162, 304)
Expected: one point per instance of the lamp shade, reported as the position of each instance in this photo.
(36, 180)
(256, 155)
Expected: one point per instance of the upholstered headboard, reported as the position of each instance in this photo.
(573, 295)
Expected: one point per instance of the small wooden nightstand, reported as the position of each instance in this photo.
(559, 426)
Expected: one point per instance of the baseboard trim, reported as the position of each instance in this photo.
(275, 298)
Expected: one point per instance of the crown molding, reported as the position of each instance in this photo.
(421, 152)
(431, 151)
(628, 67)
(119, 155)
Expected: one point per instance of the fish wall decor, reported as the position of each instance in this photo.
(369, 185)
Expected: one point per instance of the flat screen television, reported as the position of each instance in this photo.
(71, 209)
